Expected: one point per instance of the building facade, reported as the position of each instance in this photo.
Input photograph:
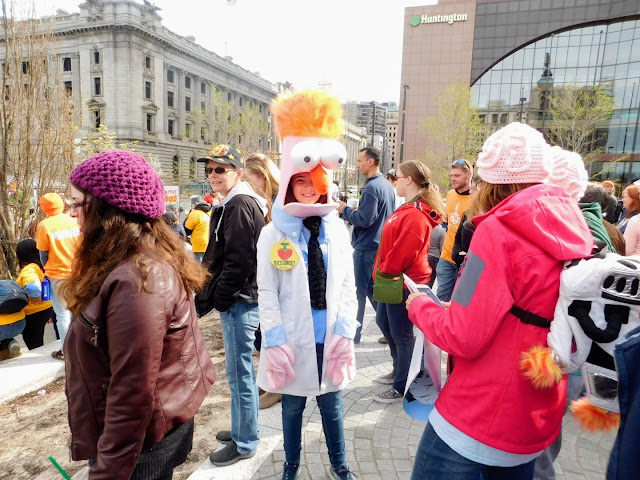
(391, 136)
(373, 117)
(516, 54)
(152, 87)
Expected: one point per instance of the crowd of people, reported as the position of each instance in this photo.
(290, 279)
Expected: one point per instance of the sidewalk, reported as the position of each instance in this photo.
(381, 440)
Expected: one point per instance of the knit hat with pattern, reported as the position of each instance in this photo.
(122, 179)
(516, 153)
(568, 172)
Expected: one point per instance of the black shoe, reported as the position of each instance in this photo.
(228, 455)
(224, 437)
(290, 472)
(343, 473)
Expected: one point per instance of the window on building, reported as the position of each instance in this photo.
(170, 99)
(25, 68)
(229, 97)
(170, 128)
(175, 165)
(96, 57)
(503, 118)
(187, 82)
(68, 86)
(187, 130)
(170, 76)
(97, 87)
(187, 104)
(494, 118)
(149, 122)
(147, 90)
(241, 101)
(97, 121)
(203, 133)
(147, 63)
(66, 64)
(483, 118)
(192, 168)
(203, 107)
(203, 88)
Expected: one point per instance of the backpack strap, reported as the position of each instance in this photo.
(530, 318)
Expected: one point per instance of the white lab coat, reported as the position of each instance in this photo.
(283, 299)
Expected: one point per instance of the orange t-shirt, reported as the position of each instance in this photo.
(58, 235)
(456, 205)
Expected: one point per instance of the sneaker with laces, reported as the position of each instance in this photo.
(387, 379)
(388, 396)
(343, 473)
(290, 471)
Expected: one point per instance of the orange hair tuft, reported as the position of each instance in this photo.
(592, 418)
(308, 113)
(539, 367)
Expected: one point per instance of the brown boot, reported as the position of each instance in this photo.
(269, 399)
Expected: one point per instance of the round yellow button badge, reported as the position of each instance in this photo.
(283, 256)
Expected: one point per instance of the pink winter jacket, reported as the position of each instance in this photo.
(515, 258)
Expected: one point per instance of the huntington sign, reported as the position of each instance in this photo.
(450, 19)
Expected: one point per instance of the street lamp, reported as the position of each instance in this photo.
(522, 100)
(405, 87)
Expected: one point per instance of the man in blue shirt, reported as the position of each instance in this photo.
(376, 204)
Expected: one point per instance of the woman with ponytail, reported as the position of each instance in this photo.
(404, 248)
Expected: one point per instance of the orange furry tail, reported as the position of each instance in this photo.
(539, 367)
(592, 418)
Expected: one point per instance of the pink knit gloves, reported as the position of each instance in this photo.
(339, 355)
(279, 366)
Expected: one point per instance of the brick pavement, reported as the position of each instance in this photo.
(381, 440)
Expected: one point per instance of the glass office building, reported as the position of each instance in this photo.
(605, 55)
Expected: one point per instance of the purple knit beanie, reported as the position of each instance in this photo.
(122, 179)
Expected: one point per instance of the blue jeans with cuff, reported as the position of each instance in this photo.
(330, 405)
(239, 325)
(435, 460)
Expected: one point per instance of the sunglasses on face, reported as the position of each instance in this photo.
(218, 170)
(462, 163)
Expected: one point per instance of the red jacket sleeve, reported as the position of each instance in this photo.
(481, 301)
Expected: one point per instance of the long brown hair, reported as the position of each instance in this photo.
(421, 175)
(110, 237)
(490, 194)
(634, 195)
(262, 165)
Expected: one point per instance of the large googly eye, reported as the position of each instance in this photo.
(305, 155)
(333, 155)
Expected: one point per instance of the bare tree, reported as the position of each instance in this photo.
(455, 129)
(36, 124)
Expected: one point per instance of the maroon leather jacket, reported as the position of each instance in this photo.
(136, 367)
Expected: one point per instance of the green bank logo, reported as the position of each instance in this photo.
(450, 19)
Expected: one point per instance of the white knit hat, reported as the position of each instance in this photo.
(516, 153)
(568, 172)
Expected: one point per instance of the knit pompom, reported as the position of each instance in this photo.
(568, 172)
(539, 367)
(516, 153)
(592, 418)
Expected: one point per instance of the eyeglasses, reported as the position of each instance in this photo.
(462, 163)
(218, 170)
(77, 205)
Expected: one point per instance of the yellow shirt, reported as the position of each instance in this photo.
(198, 221)
(58, 235)
(456, 205)
(32, 273)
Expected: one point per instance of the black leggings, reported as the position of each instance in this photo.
(33, 333)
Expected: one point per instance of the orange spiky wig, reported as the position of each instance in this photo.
(308, 113)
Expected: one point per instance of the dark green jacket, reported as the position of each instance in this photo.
(593, 215)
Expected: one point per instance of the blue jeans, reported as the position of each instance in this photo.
(12, 329)
(63, 316)
(396, 327)
(435, 460)
(239, 325)
(330, 405)
(447, 273)
(363, 261)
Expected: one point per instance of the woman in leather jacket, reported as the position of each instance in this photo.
(137, 368)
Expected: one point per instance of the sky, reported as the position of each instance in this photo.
(355, 45)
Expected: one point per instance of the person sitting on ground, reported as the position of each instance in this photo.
(38, 312)
(11, 325)
(137, 367)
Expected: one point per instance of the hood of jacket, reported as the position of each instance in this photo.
(420, 204)
(554, 221)
(244, 188)
(203, 207)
